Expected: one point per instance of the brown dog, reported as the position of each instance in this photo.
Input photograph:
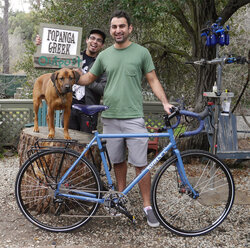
(56, 89)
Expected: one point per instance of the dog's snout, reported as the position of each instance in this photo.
(68, 87)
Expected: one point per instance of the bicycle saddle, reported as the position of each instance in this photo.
(90, 109)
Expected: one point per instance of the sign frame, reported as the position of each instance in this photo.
(55, 60)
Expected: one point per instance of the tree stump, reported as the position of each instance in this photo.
(28, 139)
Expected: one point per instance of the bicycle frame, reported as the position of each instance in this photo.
(88, 196)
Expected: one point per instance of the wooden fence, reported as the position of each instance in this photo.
(16, 113)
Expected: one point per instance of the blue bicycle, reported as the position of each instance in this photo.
(59, 190)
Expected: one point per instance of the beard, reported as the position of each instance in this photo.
(121, 40)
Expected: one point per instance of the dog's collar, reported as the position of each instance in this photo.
(61, 95)
(57, 91)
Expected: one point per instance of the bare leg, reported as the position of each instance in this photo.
(120, 175)
(145, 186)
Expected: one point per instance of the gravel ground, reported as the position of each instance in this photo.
(16, 231)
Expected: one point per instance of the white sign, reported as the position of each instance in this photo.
(59, 41)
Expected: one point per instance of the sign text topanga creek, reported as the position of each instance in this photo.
(57, 41)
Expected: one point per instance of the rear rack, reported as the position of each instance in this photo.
(49, 144)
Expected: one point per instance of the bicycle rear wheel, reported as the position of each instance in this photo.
(173, 204)
(37, 181)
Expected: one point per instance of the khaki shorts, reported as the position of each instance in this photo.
(137, 147)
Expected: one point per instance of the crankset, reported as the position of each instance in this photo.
(117, 203)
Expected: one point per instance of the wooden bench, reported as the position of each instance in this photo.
(227, 143)
(42, 113)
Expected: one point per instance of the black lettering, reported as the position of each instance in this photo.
(67, 48)
(63, 49)
(54, 47)
(64, 37)
(59, 48)
(57, 34)
(60, 37)
(73, 38)
(49, 34)
(69, 38)
(53, 35)
(50, 47)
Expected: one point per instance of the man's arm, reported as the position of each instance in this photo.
(99, 85)
(86, 79)
(158, 90)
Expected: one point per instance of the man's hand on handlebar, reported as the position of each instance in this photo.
(167, 107)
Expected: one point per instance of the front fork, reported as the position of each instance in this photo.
(184, 184)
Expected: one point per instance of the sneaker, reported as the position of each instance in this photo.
(151, 219)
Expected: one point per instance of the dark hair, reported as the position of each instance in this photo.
(98, 31)
(120, 14)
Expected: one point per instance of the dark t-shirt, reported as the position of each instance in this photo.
(87, 61)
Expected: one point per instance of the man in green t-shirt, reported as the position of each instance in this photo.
(125, 63)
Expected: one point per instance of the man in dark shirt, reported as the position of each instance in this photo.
(90, 94)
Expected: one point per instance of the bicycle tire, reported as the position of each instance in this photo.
(173, 204)
(37, 180)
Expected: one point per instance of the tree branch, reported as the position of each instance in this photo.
(178, 14)
(231, 7)
(168, 49)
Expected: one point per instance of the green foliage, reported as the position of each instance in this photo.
(170, 29)
(24, 24)
(26, 64)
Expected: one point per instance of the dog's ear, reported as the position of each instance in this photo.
(77, 76)
(54, 77)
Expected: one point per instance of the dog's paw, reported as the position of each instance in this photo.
(36, 130)
(51, 136)
(67, 137)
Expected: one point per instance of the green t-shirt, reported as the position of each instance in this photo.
(125, 69)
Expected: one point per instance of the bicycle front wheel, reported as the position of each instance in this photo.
(37, 181)
(173, 202)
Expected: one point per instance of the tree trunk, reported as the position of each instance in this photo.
(206, 76)
(5, 38)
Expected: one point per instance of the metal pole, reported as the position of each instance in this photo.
(217, 102)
